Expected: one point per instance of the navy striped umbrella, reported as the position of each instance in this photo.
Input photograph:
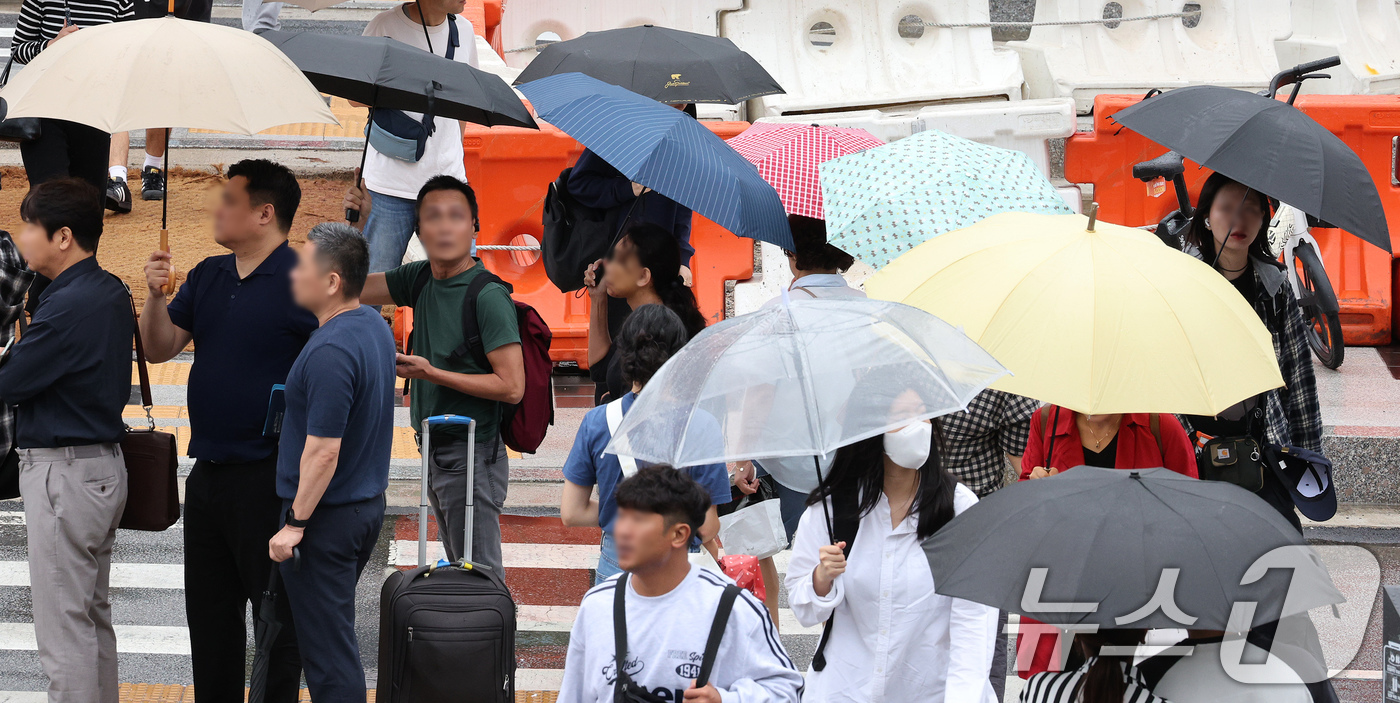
(665, 150)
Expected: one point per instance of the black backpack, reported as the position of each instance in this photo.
(575, 235)
(627, 691)
(845, 510)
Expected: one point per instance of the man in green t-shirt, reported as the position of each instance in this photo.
(444, 383)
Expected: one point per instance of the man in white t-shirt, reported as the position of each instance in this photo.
(393, 184)
(670, 607)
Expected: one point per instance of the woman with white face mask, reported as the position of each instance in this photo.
(891, 637)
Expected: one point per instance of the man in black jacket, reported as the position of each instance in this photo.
(70, 377)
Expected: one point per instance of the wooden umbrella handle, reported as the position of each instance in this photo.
(165, 247)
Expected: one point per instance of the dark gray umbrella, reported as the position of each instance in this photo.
(387, 74)
(1106, 536)
(663, 64)
(1270, 146)
(266, 628)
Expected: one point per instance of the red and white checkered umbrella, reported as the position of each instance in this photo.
(787, 156)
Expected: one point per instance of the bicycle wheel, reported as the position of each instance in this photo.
(1319, 304)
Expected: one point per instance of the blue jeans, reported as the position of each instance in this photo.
(607, 560)
(390, 225)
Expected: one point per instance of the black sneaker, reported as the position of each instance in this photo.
(118, 195)
(152, 183)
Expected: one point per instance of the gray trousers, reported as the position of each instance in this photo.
(73, 500)
(447, 492)
(259, 16)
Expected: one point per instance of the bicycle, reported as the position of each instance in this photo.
(1290, 237)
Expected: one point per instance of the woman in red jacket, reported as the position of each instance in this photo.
(1128, 441)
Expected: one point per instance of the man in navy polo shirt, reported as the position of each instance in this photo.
(333, 466)
(247, 331)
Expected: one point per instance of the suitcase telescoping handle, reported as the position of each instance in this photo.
(428, 424)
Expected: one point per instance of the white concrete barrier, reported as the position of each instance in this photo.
(832, 56)
(528, 22)
(1365, 33)
(1231, 43)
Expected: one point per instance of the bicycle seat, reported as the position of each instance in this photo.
(1167, 165)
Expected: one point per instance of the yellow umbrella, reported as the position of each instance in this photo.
(1096, 318)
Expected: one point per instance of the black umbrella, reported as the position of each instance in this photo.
(266, 627)
(384, 73)
(1107, 536)
(1270, 146)
(666, 65)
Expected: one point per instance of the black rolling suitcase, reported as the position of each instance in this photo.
(446, 633)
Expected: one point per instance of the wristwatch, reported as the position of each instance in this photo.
(292, 520)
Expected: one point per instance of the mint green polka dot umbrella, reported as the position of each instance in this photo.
(884, 201)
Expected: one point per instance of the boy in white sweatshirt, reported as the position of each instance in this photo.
(670, 607)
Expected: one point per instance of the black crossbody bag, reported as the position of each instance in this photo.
(627, 690)
(1235, 459)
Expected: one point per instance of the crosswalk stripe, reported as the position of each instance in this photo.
(168, 576)
(526, 680)
(560, 618)
(131, 639)
(12, 517)
(520, 555)
(24, 697)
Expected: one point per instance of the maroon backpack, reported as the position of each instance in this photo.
(524, 424)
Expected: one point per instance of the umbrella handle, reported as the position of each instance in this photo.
(351, 215)
(169, 286)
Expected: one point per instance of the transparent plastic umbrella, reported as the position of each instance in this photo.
(800, 380)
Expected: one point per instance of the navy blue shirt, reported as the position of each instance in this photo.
(246, 335)
(595, 183)
(70, 374)
(342, 385)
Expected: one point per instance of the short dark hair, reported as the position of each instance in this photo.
(270, 182)
(651, 334)
(672, 494)
(446, 182)
(811, 249)
(66, 202)
(342, 249)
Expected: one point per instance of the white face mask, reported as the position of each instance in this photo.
(909, 446)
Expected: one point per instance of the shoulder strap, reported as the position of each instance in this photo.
(453, 40)
(845, 509)
(726, 605)
(805, 290)
(1039, 418)
(620, 629)
(471, 329)
(141, 370)
(614, 413)
(419, 283)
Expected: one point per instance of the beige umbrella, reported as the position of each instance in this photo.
(166, 72)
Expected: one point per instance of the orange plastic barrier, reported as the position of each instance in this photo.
(511, 169)
(475, 12)
(1360, 274)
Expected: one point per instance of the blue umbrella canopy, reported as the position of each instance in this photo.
(665, 150)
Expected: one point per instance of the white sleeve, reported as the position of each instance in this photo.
(971, 632)
(372, 28)
(808, 607)
(468, 41)
(768, 675)
(576, 664)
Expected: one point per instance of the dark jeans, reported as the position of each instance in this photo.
(335, 547)
(231, 511)
(66, 149)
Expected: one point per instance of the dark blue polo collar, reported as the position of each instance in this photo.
(68, 275)
(279, 260)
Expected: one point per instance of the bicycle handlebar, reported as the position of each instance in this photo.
(1300, 72)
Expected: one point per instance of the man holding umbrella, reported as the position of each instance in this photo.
(435, 27)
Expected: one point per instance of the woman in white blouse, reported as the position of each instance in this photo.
(892, 638)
